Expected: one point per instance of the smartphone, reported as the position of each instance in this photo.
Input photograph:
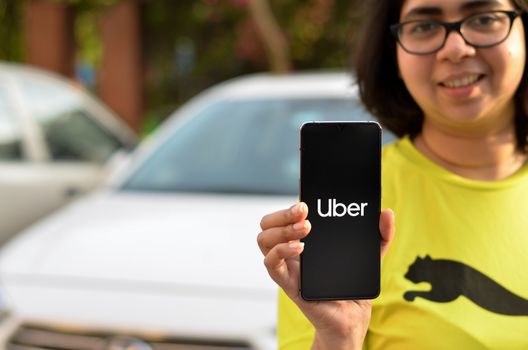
(341, 184)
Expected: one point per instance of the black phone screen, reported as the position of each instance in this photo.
(341, 184)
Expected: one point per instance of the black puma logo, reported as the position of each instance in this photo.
(450, 279)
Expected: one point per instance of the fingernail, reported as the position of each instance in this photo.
(296, 245)
(302, 207)
(299, 226)
(295, 209)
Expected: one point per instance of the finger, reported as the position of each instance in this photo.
(386, 229)
(275, 261)
(271, 237)
(296, 212)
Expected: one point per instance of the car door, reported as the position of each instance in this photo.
(15, 175)
(65, 150)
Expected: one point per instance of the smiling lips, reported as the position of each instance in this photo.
(461, 86)
(457, 83)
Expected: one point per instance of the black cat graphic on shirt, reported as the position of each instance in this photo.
(451, 279)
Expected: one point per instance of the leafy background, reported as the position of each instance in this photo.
(189, 45)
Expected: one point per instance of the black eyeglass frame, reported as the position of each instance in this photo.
(454, 26)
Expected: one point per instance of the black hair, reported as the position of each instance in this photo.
(383, 92)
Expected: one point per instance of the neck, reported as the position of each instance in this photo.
(487, 158)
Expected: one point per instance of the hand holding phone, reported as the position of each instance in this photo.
(280, 243)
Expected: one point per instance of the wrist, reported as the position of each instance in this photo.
(344, 335)
(350, 341)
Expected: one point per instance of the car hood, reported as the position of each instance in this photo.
(142, 240)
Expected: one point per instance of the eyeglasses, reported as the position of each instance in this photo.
(483, 29)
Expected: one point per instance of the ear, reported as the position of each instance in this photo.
(428, 257)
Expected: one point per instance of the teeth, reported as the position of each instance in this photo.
(470, 79)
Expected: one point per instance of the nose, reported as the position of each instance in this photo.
(455, 48)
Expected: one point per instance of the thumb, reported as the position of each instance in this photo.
(386, 227)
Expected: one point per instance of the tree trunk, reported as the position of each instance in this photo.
(274, 41)
(120, 76)
(48, 34)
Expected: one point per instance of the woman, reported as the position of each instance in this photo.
(449, 78)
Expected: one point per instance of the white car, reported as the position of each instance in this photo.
(166, 257)
(54, 141)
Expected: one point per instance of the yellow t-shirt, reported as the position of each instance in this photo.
(456, 275)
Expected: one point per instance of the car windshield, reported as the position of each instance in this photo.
(249, 146)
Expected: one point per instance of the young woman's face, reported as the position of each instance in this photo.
(463, 89)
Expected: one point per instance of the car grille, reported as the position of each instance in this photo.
(30, 337)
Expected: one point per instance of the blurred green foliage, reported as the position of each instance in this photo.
(11, 46)
(87, 37)
(192, 44)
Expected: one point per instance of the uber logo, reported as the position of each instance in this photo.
(339, 209)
